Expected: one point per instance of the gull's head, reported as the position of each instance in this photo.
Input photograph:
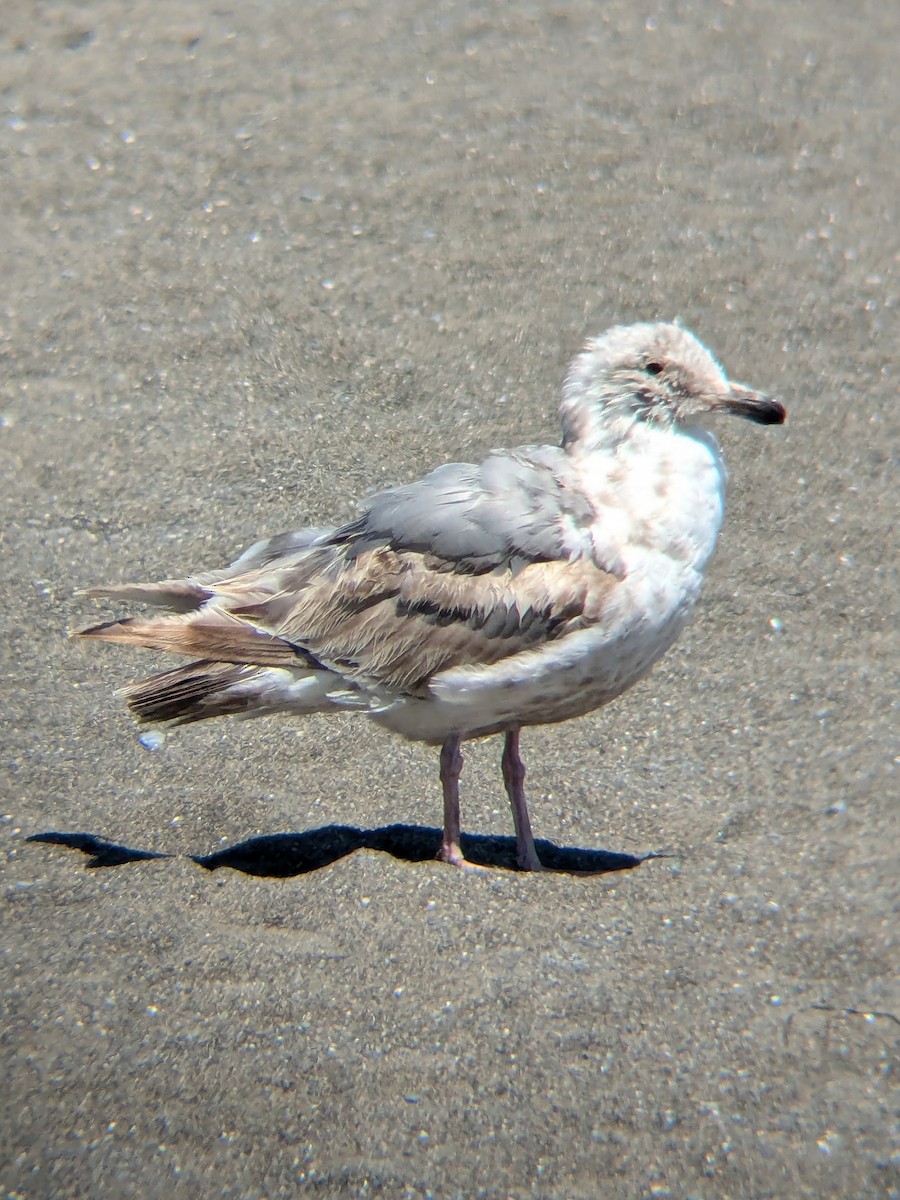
(658, 375)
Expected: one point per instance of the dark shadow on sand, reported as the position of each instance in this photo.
(103, 853)
(282, 855)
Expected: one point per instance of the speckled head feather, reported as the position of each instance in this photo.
(659, 374)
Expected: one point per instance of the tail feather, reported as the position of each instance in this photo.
(178, 595)
(240, 666)
(212, 634)
(188, 595)
(193, 693)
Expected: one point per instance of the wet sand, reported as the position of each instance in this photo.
(258, 260)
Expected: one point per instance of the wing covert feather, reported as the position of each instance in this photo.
(393, 619)
(468, 566)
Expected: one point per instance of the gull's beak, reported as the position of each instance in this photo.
(744, 402)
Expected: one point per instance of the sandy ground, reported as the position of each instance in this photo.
(258, 259)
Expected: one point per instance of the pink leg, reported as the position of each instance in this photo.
(514, 778)
(451, 768)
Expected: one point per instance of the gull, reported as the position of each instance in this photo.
(529, 588)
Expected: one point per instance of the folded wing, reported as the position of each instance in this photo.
(468, 566)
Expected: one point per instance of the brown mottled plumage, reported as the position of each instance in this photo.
(529, 588)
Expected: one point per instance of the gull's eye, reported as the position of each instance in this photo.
(654, 368)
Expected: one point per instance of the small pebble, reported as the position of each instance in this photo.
(153, 739)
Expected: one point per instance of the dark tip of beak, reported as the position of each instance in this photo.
(754, 406)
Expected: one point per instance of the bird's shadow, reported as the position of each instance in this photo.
(282, 855)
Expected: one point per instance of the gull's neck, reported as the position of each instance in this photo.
(656, 490)
(595, 415)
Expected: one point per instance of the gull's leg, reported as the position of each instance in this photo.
(514, 778)
(451, 767)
